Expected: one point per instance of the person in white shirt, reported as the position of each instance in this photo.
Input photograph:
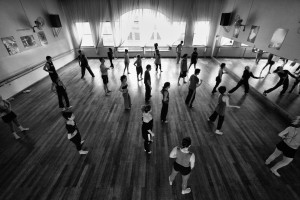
(147, 127)
(178, 51)
(184, 163)
(126, 61)
(104, 76)
(288, 146)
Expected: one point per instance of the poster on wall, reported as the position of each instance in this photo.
(10, 45)
(28, 41)
(278, 38)
(253, 33)
(42, 38)
(236, 32)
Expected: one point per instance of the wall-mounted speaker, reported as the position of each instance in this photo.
(225, 19)
(55, 21)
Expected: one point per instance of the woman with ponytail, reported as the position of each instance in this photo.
(165, 102)
(288, 146)
(184, 163)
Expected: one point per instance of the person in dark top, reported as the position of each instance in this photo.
(73, 132)
(297, 81)
(284, 80)
(147, 82)
(124, 89)
(194, 58)
(147, 127)
(244, 80)
(110, 56)
(259, 55)
(156, 50)
(194, 83)
(165, 102)
(223, 102)
(61, 92)
(219, 77)
(269, 62)
(49, 67)
(83, 62)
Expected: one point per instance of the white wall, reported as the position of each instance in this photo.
(269, 15)
(12, 18)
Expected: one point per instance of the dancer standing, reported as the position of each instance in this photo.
(126, 61)
(60, 90)
(155, 49)
(10, 118)
(73, 132)
(157, 61)
(244, 80)
(259, 55)
(288, 146)
(124, 89)
(49, 67)
(178, 51)
(110, 56)
(219, 77)
(194, 83)
(104, 76)
(139, 68)
(183, 69)
(83, 62)
(269, 62)
(147, 82)
(284, 80)
(223, 102)
(184, 163)
(165, 102)
(147, 127)
(194, 58)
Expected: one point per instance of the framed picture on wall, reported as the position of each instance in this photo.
(28, 41)
(10, 45)
(278, 38)
(253, 33)
(42, 38)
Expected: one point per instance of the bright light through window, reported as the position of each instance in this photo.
(226, 41)
(201, 33)
(107, 35)
(84, 31)
(244, 45)
(146, 27)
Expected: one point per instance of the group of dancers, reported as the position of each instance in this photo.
(185, 160)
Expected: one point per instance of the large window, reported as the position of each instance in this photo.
(107, 36)
(84, 31)
(201, 33)
(145, 27)
(226, 41)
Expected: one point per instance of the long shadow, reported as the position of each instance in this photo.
(241, 101)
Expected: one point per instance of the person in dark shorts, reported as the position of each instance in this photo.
(288, 146)
(223, 102)
(110, 56)
(269, 62)
(183, 69)
(219, 77)
(83, 63)
(194, 58)
(194, 83)
(184, 163)
(147, 127)
(165, 102)
(61, 92)
(147, 82)
(10, 118)
(73, 132)
(139, 68)
(49, 67)
(104, 76)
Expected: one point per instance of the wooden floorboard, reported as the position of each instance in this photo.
(44, 165)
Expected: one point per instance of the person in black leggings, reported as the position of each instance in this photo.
(49, 67)
(110, 56)
(165, 102)
(269, 62)
(147, 127)
(284, 80)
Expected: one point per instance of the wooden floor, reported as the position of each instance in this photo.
(290, 102)
(43, 164)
